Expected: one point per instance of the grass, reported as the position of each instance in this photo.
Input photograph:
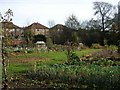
(86, 51)
(55, 55)
(44, 58)
(112, 47)
(59, 55)
(19, 68)
(50, 57)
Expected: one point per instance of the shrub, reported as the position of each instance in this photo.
(29, 50)
(73, 58)
(118, 49)
(17, 49)
(112, 47)
(9, 50)
(49, 43)
(96, 46)
(119, 46)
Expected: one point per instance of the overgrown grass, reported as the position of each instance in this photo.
(112, 47)
(19, 68)
(86, 51)
(90, 75)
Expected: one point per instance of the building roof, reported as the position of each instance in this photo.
(37, 26)
(10, 25)
(58, 26)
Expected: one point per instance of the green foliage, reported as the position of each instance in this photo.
(49, 42)
(19, 68)
(73, 58)
(53, 72)
(118, 49)
(90, 75)
(29, 50)
(104, 62)
(112, 38)
(75, 38)
(28, 35)
(86, 52)
(112, 47)
(119, 46)
(9, 50)
(89, 36)
(22, 50)
(96, 46)
(6, 42)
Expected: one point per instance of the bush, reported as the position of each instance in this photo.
(96, 46)
(119, 46)
(17, 49)
(73, 58)
(29, 50)
(92, 75)
(49, 43)
(112, 47)
(118, 49)
(9, 50)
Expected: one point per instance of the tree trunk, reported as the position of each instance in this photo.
(102, 32)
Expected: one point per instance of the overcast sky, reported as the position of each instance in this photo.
(42, 11)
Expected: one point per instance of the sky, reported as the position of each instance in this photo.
(27, 12)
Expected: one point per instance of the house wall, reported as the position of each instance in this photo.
(41, 31)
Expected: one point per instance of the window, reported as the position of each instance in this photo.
(37, 30)
(58, 30)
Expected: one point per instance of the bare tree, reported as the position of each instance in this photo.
(51, 23)
(90, 25)
(8, 15)
(72, 22)
(5, 21)
(105, 12)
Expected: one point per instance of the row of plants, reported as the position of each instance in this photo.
(98, 74)
(54, 47)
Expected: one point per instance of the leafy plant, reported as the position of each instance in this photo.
(112, 47)
(96, 46)
(119, 46)
(73, 58)
(49, 43)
